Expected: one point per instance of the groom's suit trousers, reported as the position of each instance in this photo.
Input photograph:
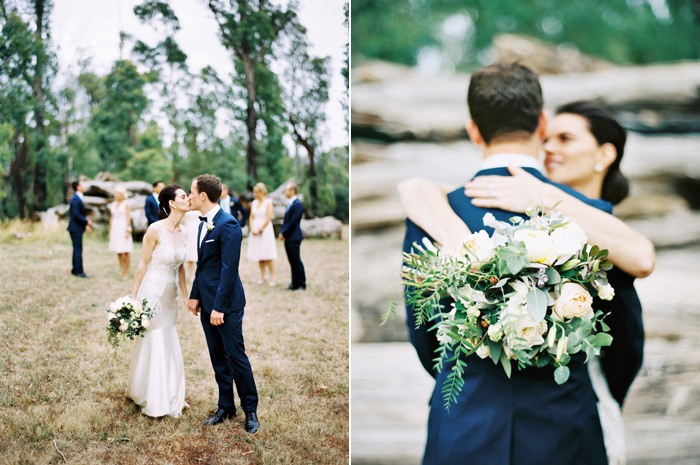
(230, 363)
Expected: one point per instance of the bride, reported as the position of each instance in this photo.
(157, 374)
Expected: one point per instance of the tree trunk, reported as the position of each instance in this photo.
(17, 169)
(251, 121)
(40, 181)
(311, 152)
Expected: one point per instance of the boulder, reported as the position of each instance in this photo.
(322, 228)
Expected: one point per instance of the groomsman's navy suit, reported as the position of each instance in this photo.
(151, 209)
(525, 420)
(77, 223)
(218, 286)
(291, 230)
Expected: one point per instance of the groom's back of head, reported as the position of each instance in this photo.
(505, 101)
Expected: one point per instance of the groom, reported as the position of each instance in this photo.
(528, 418)
(217, 294)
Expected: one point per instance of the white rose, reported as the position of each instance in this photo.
(123, 327)
(478, 245)
(605, 291)
(114, 307)
(483, 351)
(574, 301)
(146, 323)
(539, 245)
(111, 316)
(568, 241)
(137, 306)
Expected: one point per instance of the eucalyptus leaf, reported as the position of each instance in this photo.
(561, 374)
(495, 349)
(537, 304)
(505, 362)
(553, 276)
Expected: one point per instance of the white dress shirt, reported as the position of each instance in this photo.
(210, 219)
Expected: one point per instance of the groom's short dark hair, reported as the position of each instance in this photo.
(210, 185)
(505, 101)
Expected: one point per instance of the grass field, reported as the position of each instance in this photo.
(62, 387)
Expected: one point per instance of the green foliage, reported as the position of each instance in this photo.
(333, 184)
(115, 119)
(626, 31)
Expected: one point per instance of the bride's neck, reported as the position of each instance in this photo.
(173, 220)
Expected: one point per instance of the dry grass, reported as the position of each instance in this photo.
(62, 387)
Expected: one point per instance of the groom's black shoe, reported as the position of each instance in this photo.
(251, 422)
(81, 275)
(219, 417)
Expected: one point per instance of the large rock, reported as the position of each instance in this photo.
(322, 228)
(403, 104)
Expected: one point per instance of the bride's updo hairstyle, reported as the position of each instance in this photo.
(605, 129)
(167, 194)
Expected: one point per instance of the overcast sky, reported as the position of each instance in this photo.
(90, 28)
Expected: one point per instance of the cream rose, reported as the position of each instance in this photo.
(111, 316)
(525, 332)
(540, 248)
(146, 323)
(123, 327)
(574, 301)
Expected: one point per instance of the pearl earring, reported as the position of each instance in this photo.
(598, 168)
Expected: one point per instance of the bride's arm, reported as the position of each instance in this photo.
(182, 284)
(628, 250)
(150, 239)
(425, 203)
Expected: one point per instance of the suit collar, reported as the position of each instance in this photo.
(503, 160)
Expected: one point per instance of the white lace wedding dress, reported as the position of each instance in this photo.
(157, 373)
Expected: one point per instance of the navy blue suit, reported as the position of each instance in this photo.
(291, 230)
(217, 285)
(525, 420)
(151, 209)
(77, 223)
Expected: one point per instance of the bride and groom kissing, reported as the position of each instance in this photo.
(156, 375)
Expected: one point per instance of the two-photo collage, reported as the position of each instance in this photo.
(349, 232)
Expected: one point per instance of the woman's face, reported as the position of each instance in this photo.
(258, 194)
(181, 201)
(571, 151)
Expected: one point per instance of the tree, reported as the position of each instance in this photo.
(24, 105)
(115, 119)
(249, 29)
(306, 98)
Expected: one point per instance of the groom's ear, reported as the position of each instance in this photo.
(541, 129)
(474, 133)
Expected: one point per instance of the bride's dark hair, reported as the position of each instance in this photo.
(605, 129)
(166, 195)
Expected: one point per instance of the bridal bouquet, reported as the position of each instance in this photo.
(524, 294)
(127, 318)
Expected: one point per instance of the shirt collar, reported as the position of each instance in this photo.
(80, 194)
(503, 160)
(289, 202)
(212, 213)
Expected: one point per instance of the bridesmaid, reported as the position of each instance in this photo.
(261, 242)
(120, 240)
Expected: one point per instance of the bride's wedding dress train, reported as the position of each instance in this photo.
(157, 373)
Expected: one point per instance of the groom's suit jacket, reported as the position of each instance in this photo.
(525, 420)
(217, 284)
(77, 214)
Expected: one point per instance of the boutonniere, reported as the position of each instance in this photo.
(210, 225)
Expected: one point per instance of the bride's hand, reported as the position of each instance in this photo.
(514, 193)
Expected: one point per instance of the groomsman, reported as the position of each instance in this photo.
(292, 236)
(152, 204)
(225, 201)
(77, 224)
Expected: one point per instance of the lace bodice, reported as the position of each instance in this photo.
(167, 257)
